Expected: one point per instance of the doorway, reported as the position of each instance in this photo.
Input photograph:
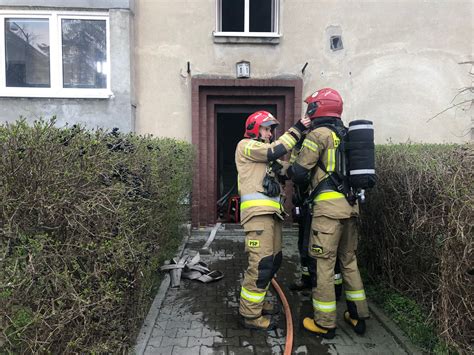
(229, 131)
(217, 105)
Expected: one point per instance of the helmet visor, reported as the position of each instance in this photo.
(270, 123)
(311, 109)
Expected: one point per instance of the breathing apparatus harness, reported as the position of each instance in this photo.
(334, 180)
(357, 152)
(271, 184)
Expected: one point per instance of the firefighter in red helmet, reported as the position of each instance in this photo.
(261, 207)
(333, 225)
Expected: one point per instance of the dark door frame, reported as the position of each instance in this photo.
(207, 93)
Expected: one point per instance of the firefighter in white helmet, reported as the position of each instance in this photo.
(261, 207)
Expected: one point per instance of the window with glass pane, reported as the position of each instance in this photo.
(84, 45)
(261, 19)
(232, 15)
(27, 52)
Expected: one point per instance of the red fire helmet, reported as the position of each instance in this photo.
(324, 103)
(257, 119)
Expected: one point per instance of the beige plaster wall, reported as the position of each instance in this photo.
(399, 66)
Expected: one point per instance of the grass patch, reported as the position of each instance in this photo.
(409, 316)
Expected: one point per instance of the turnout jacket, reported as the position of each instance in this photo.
(252, 158)
(321, 143)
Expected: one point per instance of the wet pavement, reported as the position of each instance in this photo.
(200, 318)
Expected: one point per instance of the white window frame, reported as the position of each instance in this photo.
(56, 89)
(246, 32)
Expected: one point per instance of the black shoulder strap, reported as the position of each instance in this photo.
(339, 129)
(335, 183)
(335, 125)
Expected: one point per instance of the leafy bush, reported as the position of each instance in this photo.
(86, 219)
(417, 227)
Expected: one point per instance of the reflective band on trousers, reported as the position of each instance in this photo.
(330, 195)
(304, 271)
(255, 297)
(258, 199)
(337, 279)
(357, 295)
(325, 307)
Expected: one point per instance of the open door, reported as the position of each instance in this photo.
(219, 110)
(229, 131)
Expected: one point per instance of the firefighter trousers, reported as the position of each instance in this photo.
(263, 247)
(332, 239)
(308, 265)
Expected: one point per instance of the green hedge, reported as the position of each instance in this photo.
(417, 234)
(86, 219)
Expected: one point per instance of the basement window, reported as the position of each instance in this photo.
(247, 18)
(54, 54)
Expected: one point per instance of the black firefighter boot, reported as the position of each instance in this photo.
(358, 325)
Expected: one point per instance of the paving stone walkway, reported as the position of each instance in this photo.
(202, 318)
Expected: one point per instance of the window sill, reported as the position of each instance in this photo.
(246, 38)
(51, 94)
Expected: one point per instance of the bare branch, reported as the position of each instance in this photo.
(463, 90)
(450, 107)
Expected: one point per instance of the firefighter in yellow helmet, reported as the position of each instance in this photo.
(261, 208)
(334, 232)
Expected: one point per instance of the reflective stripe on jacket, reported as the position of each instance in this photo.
(259, 199)
(321, 143)
(251, 159)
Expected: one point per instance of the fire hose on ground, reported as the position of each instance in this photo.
(281, 295)
(288, 316)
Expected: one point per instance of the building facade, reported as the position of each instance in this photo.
(194, 69)
(70, 59)
(398, 63)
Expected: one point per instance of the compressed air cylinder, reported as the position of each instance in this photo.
(361, 154)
